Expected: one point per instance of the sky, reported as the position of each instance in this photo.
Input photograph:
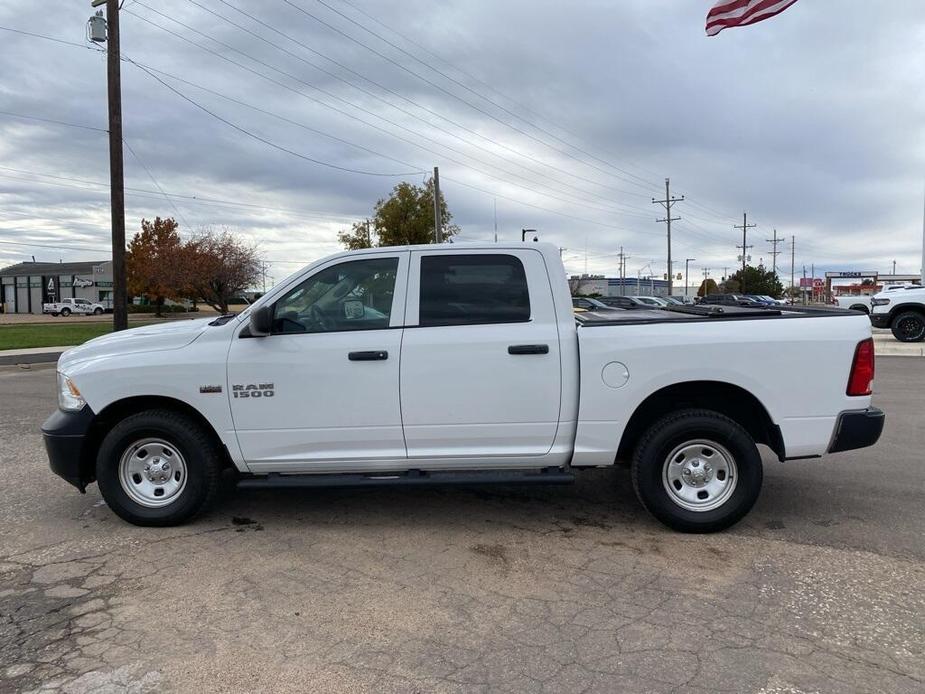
(286, 120)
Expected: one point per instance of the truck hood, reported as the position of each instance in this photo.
(147, 338)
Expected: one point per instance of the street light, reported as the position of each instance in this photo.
(687, 285)
(524, 232)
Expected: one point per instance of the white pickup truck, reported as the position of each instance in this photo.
(902, 311)
(65, 307)
(863, 303)
(458, 364)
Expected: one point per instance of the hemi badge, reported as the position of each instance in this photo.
(210, 389)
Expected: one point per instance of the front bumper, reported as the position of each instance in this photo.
(857, 429)
(65, 435)
(880, 320)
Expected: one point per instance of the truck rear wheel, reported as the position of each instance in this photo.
(65, 311)
(697, 471)
(158, 468)
(908, 326)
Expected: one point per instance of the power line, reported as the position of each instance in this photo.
(51, 120)
(472, 91)
(484, 84)
(156, 184)
(461, 126)
(254, 136)
(357, 107)
(452, 95)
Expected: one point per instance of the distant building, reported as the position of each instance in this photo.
(24, 287)
(615, 286)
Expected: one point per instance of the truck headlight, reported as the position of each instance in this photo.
(879, 302)
(69, 398)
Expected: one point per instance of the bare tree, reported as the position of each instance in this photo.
(218, 266)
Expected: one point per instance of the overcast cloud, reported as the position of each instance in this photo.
(571, 116)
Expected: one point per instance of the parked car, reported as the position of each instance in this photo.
(66, 307)
(652, 301)
(589, 304)
(730, 300)
(902, 311)
(452, 364)
(682, 299)
(625, 302)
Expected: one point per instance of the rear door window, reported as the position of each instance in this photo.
(472, 290)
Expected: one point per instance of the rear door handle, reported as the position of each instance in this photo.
(372, 355)
(528, 349)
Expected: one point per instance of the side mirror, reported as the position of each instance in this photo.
(261, 322)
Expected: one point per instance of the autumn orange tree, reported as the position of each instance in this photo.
(153, 262)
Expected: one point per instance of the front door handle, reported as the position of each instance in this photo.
(372, 355)
(528, 349)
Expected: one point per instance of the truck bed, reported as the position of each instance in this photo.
(591, 319)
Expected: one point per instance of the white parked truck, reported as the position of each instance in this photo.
(458, 364)
(862, 303)
(902, 311)
(81, 307)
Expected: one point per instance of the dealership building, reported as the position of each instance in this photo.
(24, 287)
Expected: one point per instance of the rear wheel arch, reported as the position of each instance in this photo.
(727, 399)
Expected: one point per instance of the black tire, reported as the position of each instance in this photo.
(97, 311)
(65, 312)
(199, 454)
(908, 326)
(650, 471)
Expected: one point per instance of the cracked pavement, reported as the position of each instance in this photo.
(574, 589)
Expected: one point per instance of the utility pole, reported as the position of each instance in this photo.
(116, 177)
(745, 226)
(894, 267)
(496, 220)
(623, 258)
(668, 203)
(438, 223)
(369, 236)
(802, 291)
(774, 251)
(793, 255)
(687, 262)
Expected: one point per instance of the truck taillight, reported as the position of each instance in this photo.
(862, 369)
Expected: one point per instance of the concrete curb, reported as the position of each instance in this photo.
(37, 355)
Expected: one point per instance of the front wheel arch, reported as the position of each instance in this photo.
(116, 411)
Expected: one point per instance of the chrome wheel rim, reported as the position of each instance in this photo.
(152, 472)
(699, 475)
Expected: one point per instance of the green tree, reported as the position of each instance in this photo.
(757, 280)
(406, 217)
(708, 286)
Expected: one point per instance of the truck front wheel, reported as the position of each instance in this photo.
(158, 468)
(697, 471)
(909, 326)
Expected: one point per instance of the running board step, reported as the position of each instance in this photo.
(412, 478)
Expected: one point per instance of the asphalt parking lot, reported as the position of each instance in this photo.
(564, 589)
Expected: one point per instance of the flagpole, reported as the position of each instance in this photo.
(922, 278)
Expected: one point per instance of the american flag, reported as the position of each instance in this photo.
(740, 13)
